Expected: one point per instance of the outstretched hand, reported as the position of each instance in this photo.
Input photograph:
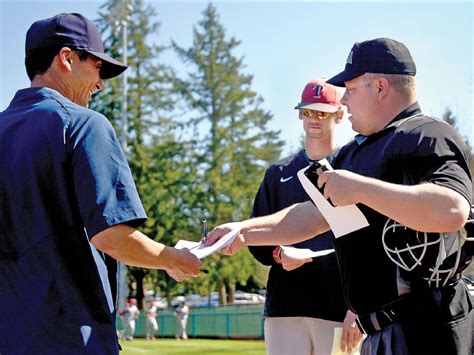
(183, 265)
(220, 231)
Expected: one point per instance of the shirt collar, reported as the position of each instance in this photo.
(34, 93)
(305, 155)
(412, 110)
(360, 139)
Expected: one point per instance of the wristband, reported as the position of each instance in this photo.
(277, 255)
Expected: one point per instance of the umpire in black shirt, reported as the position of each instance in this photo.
(408, 174)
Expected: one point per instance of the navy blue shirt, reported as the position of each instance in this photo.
(63, 179)
(314, 289)
(410, 150)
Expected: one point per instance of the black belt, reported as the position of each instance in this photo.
(402, 308)
(388, 314)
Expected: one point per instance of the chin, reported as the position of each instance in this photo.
(354, 126)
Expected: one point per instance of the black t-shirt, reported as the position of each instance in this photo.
(314, 289)
(412, 149)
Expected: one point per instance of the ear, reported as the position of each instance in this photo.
(65, 58)
(340, 114)
(382, 87)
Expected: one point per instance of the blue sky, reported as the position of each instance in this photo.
(285, 44)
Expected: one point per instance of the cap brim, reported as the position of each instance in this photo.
(342, 77)
(317, 106)
(110, 67)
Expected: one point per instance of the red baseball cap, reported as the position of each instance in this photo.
(321, 96)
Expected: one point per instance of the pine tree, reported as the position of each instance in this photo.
(157, 158)
(232, 144)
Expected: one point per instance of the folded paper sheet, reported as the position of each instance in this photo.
(341, 219)
(304, 253)
(201, 251)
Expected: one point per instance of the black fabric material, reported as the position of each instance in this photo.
(385, 316)
(435, 322)
(412, 149)
(390, 341)
(420, 149)
(313, 290)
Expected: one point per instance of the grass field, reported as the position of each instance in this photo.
(192, 346)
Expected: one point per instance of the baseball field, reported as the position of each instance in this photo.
(192, 346)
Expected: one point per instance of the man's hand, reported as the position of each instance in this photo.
(341, 186)
(218, 232)
(351, 334)
(291, 263)
(182, 265)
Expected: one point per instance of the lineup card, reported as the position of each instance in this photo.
(201, 251)
(342, 219)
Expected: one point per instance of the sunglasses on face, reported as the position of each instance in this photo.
(315, 114)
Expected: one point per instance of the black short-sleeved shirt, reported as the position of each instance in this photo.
(410, 150)
(313, 290)
(63, 179)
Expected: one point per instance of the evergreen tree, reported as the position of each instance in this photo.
(232, 144)
(157, 158)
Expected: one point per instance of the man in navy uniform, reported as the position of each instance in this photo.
(68, 202)
(304, 301)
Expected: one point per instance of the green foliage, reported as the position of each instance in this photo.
(157, 160)
(204, 158)
(236, 145)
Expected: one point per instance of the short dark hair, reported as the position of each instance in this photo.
(38, 61)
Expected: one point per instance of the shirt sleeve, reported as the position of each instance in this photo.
(103, 183)
(441, 159)
(262, 207)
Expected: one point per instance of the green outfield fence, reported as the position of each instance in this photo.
(236, 321)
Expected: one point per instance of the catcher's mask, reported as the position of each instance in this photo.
(436, 257)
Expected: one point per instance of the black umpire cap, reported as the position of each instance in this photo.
(380, 55)
(77, 32)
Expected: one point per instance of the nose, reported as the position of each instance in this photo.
(344, 98)
(99, 85)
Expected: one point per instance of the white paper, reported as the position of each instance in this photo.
(299, 253)
(182, 244)
(341, 219)
(201, 251)
(336, 344)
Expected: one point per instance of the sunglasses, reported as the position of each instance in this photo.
(313, 113)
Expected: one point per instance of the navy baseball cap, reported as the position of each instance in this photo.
(380, 55)
(77, 32)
